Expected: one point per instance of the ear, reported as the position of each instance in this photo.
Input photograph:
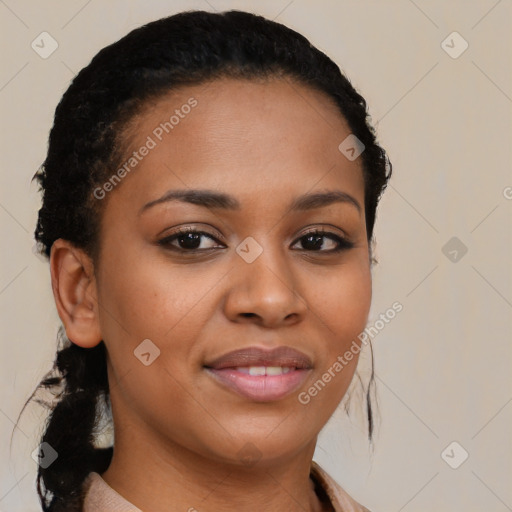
(75, 293)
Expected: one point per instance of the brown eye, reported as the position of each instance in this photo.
(315, 241)
(188, 240)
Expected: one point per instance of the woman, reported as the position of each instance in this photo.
(209, 198)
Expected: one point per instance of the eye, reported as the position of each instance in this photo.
(315, 241)
(192, 240)
(188, 240)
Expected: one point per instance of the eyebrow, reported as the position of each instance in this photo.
(219, 200)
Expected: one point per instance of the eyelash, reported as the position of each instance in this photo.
(343, 243)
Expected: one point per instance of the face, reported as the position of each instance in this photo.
(202, 276)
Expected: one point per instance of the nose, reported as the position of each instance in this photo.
(264, 292)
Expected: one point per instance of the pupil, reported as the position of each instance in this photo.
(190, 240)
(314, 245)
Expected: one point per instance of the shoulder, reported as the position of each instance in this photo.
(340, 499)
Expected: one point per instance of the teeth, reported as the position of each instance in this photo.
(274, 370)
(264, 370)
(256, 370)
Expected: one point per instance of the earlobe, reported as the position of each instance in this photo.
(74, 290)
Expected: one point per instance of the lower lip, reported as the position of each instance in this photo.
(261, 388)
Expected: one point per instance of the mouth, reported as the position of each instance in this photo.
(261, 375)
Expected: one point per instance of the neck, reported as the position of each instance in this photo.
(174, 478)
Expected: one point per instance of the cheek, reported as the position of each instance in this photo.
(342, 306)
(151, 300)
(146, 300)
(343, 302)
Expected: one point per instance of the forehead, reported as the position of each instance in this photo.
(243, 137)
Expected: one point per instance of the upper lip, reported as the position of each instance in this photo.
(255, 356)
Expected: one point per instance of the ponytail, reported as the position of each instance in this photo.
(79, 381)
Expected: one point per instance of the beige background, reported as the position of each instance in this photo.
(443, 365)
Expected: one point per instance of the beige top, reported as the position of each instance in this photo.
(100, 497)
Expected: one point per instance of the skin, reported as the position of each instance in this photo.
(178, 432)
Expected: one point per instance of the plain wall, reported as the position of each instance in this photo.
(443, 364)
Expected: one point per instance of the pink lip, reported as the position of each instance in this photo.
(261, 388)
